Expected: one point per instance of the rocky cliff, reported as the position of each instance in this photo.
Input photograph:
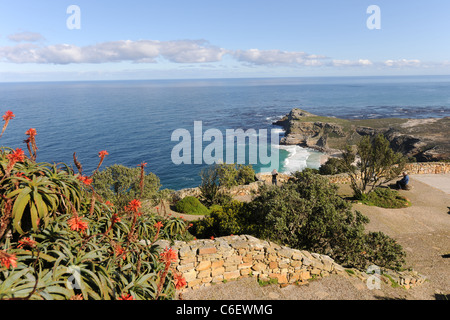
(423, 139)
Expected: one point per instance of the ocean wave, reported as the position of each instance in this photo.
(296, 160)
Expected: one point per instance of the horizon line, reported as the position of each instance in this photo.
(233, 78)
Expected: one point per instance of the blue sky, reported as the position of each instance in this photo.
(137, 39)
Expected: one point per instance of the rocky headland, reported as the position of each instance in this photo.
(422, 139)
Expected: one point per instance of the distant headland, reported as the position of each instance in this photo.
(422, 139)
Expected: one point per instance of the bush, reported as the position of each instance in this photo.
(231, 175)
(216, 179)
(120, 184)
(332, 166)
(191, 205)
(377, 164)
(384, 198)
(307, 213)
(223, 221)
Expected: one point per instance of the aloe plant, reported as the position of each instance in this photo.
(74, 245)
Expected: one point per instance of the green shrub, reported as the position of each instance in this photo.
(223, 221)
(191, 205)
(307, 213)
(384, 198)
(332, 166)
(216, 179)
(120, 184)
(231, 175)
(376, 164)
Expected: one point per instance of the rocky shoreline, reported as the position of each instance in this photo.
(422, 139)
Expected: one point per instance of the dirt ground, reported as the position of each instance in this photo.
(422, 229)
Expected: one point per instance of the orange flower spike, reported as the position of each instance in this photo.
(87, 181)
(169, 256)
(26, 242)
(7, 117)
(158, 227)
(119, 251)
(101, 155)
(115, 218)
(126, 296)
(180, 281)
(77, 224)
(8, 260)
(32, 133)
(143, 165)
(134, 206)
(17, 156)
(32, 139)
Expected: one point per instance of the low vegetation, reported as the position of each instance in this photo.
(385, 198)
(191, 205)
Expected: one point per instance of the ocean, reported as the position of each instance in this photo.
(134, 120)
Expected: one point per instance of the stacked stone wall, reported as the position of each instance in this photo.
(205, 262)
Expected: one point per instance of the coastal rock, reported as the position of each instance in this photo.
(422, 139)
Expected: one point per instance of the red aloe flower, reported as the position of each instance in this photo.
(31, 140)
(126, 296)
(87, 181)
(26, 242)
(158, 227)
(134, 206)
(7, 260)
(102, 154)
(169, 255)
(119, 251)
(17, 156)
(32, 133)
(77, 224)
(22, 175)
(109, 203)
(7, 117)
(115, 218)
(180, 281)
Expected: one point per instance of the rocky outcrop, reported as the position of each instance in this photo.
(422, 139)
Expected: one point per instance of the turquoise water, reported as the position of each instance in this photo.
(134, 120)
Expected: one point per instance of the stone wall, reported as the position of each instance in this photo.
(411, 168)
(428, 167)
(204, 262)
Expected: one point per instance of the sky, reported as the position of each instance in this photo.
(57, 40)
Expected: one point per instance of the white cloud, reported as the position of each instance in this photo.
(351, 63)
(141, 51)
(26, 37)
(30, 49)
(400, 63)
(277, 57)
